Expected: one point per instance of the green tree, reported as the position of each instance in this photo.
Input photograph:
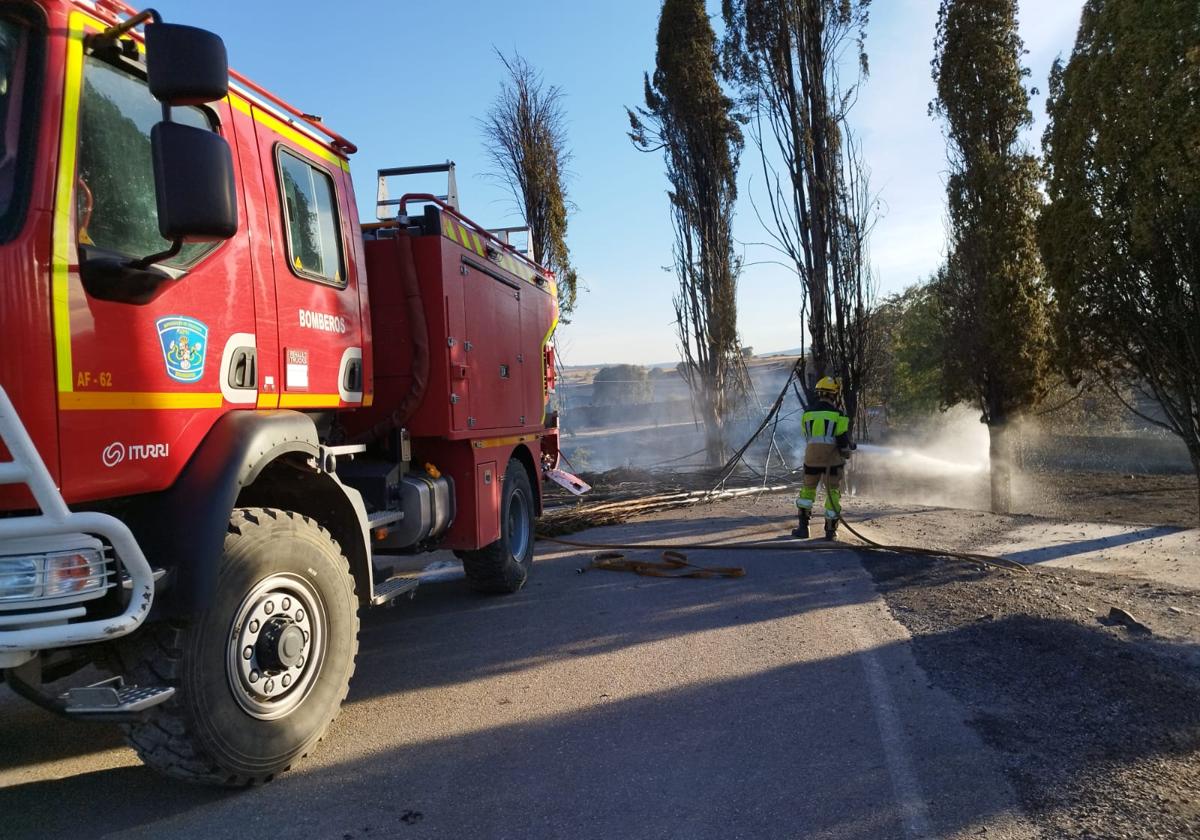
(1121, 232)
(622, 385)
(689, 118)
(909, 370)
(989, 295)
(526, 140)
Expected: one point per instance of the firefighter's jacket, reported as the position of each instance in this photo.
(826, 435)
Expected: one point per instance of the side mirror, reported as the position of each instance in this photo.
(185, 65)
(194, 184)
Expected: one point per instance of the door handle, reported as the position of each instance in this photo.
(353, 380)
(243, 369)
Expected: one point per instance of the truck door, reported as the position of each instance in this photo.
(317, 291)
(494, 360)
(143, 370)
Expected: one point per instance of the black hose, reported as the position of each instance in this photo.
(802, 545)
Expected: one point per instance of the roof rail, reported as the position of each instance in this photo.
(504, 234)
(426, 198)
(382, 201)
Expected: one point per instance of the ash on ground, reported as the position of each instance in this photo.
(1098, 725)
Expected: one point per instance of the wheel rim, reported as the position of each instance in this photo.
(518, 525)
(276, 646)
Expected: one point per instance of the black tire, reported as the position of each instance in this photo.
(215, 730)
(504, 566)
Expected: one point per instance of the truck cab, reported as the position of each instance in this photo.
(226, 407)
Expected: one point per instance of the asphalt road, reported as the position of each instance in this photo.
(782, 704)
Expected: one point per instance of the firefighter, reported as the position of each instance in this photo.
(827, 446)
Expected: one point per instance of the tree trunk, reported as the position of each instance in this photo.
(1194, 451)
(1000, 458)
(714, 439)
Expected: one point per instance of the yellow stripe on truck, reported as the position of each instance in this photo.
(459, 235)
(309, 400)
(60, 280)
(489, 443)
(280, 127)
(135, 400)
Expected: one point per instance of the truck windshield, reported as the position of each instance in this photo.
(115, 197)
(15, 124)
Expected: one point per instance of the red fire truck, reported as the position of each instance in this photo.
(226, 410)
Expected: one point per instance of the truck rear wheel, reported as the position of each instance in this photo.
(504, 565)
(261, 674)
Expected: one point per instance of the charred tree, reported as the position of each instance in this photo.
(688, 117)
(787, 57)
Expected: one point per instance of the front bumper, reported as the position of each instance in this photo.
(49, 617)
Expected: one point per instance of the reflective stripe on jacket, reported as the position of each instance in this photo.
(823, 423)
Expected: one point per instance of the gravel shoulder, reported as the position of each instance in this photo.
(1098, 727)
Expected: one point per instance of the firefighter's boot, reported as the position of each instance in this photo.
(831, 524)
(800, 532)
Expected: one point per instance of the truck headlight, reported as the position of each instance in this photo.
(74, 573)
(58, 574)
(20, 578)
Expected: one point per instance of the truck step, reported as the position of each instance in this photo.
(382, 518)
(393, 588)
(113, 697)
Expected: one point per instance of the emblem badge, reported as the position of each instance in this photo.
(184, 343)
(113, 454)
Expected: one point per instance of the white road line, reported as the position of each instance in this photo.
(905, 787)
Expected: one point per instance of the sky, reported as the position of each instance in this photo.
(408, 82)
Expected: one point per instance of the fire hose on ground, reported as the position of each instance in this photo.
(676, 564)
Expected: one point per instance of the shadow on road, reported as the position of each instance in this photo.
(710, 760)
(781, 750)
(562, 613)
(29, 735)
(632, 768)
(1071, 549)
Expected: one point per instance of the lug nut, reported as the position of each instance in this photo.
(248, 652)
(300, 662)
(253, 626)
(254, 676)
(269, 607)
(287, 680)
(287, 604)
(270, 686)
(299, 615)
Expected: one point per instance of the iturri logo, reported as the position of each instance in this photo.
(117, 452)
(113, 454)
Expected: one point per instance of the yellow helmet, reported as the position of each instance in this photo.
(828, 385)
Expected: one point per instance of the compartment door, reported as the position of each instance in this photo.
(493, 351)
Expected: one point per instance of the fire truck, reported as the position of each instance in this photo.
(227, 410)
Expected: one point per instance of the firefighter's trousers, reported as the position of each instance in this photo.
(813, 477)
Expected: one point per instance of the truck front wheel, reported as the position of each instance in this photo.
(261, 674)
(504, 565)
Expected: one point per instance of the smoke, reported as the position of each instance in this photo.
(665, 434)
(940, 460)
